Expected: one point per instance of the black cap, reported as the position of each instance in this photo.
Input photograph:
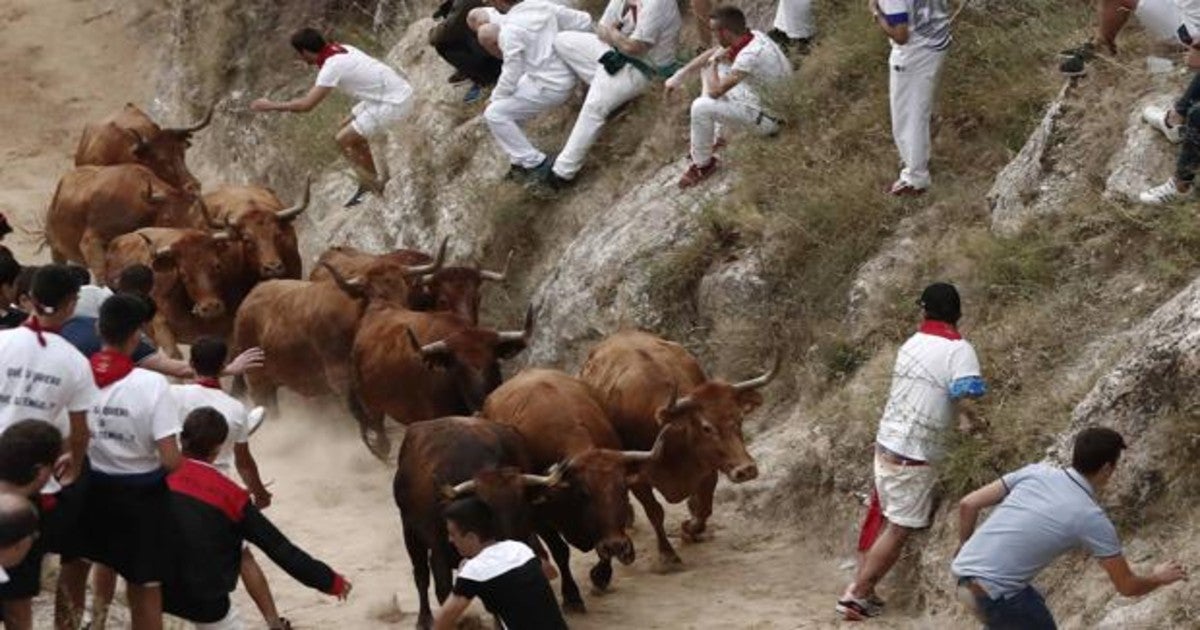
(940, 301)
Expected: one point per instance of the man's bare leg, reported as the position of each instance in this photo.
(878, 561)
(145, 607)
(71, 595)
(358, 151)
(104, 588)
(1113, 15)
(18, 614)
(256, 585)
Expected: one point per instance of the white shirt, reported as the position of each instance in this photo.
(42, 383)
(129, 416)
(527, 41)
(928, 21)
(191, 397)
(919, 409)
(1189, 10)
(657, 23)
(763, 62)
(90, 299)
(364, 77)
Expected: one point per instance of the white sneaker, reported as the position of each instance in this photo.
(1157, 118)
(1164, 194)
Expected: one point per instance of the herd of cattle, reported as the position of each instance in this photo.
(397, 335)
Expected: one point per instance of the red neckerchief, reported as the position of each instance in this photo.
(211, 383)
(110, 366)
(328, 51)
(737, 46)
(35, 324)
(940, 329)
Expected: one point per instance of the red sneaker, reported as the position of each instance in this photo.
(696, 174)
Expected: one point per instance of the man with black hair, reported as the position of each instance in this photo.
(384, 98)
(216, 517)
(208, 360)
(505, 574)
(1042, 512)
(134, 424)
(10, 315)
(936, 378)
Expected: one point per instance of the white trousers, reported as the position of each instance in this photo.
(795, 18)
(913, 83)
(582, 52)
(504, 117)
(710, 114)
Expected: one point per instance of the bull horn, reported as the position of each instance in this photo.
(353, 287)
(677, 404)
(212, 223)
(553, 477)
(433, 267)
(138, 141)
(497, 276)
(459, 490)
(221, 236)
(759, 381)
(204, 122)
(291, 213)
(145, 238)
(412, 338)
(637, 457)
(437, 347)
(519, 335)
(162, 252)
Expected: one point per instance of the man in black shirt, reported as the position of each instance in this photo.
(505, 574)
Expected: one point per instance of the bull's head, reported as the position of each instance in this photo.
(708, 421)
(508, 492)
(266, 235)
(457, 289)
(194, 262)
(164, 152)
(384, 279)
(472, 356)
(174, 207)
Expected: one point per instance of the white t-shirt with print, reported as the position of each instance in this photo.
(90, 299)
(364, 77)
(657, 23)
(919, 409)
(42, 383)
(928, 21)
(129, 416)
(191, 397)
(763, 62)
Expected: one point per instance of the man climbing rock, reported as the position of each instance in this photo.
(384, 98)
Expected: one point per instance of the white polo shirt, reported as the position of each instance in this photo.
(42, 383)
(919, 408)
(364, 77)
(194, 396)
(928, 21)
(129, 416)
(763, 62)
(655, 22)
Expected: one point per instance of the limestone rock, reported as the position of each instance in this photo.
(1021, 190)
(1145, 159)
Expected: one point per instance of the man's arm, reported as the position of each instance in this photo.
(77, 446)
(1131, 584)
(627, 45)
(513, 49)
(305, 569)
(971, 505)
(165, 365)
(717, 86)
(300, 105)
(450, 611)
(697, 62)
(895, 26)
(251, 358)
(569, 19)
(248, 470)
(168, 452)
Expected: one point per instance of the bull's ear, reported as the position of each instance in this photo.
(163, 263)
(749, 400)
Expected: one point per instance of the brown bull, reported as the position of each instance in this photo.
(453, 289)
(638, 377)
(564, 424)
(192, 288)
(307, 328)
(412, 366)
(95, 204)
(129, 136)
(451, 457)
(255, 217)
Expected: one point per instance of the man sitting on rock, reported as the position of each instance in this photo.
(455, 42)
(732, 75)
(384, 98)
(1181, 125)
(534, 79)
(1160, 18)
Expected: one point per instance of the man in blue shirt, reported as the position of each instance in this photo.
(1044, 511)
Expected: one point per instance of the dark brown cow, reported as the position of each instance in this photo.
(193, 296)
(451, 457)
(95, 204)
(563, 423)
(638, 377)
(454, 289)
(412, 366)
(258, 219)
(307, 328)
(129, 136)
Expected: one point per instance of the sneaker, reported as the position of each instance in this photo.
(457, 77)
(517, 173)
(696, 174)
(359, 195)
(254, 419)
(473, 94)
(1157, 118)
(852, 609)
(1073, 66)
(901, 188)
(1085, 51)
(1164, 194)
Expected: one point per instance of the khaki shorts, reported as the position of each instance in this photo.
(905, 493)
(373, 119)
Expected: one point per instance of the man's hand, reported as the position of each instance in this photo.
(262, 499)
(1169, 573)
(251, 359)
(262, 105)
(607, 34)
(671, 88)
(63, 469)
(345, 594)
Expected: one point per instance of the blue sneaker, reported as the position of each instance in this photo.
(473, 94)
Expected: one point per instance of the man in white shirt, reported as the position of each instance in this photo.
(533, 79)
(384, 98)
(634, 43)
(794, 26)
(936, 378)
(134, 423)
(731, 77)
(920, 35)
